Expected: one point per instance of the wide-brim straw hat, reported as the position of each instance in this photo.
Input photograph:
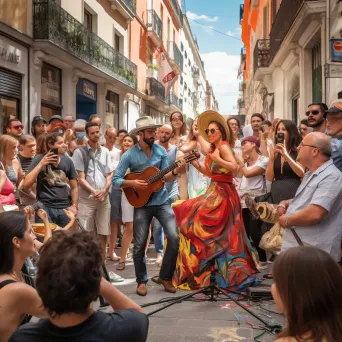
(144, 122)
(206, 117)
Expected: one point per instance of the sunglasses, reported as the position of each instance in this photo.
(313, 112)
(175, 118)
(212, 131)
(18, 127)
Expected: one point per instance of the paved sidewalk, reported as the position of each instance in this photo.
(221, 321)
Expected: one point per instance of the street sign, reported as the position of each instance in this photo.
(336, 50)
(333, 70)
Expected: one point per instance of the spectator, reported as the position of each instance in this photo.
(266, 137)
(253, 184)
(10, 162)
(69, 121)
(58, 127)
(312, 300)
(304, 128)
(14, 128)
(55, 119)
(78, 135)
(56, 179)
(256, 121)
(235, 126)
(316, 209)
(16, 297)
(27, 152)
(41, 144)
(315, 115)
(68, 299)
(283, 169)
(96, 118)
(38, 126)
(334, 129)
(95, 169)
(120, 136)
(115, 195)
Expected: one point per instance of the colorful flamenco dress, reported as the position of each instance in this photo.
(211, 228)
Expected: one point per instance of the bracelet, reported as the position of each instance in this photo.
(281, 206)
(174, 173)
(287, 221)
(74, 205)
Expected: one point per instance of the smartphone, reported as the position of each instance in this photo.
(54, 150)
(280, 138)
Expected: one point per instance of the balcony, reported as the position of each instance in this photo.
(53, 24)
(283, 21)
(177, 12)
(173, 101)
(154, 27)
(242, 6)
(127, 8)
(175, 56)
(262, 57)
(155, 89)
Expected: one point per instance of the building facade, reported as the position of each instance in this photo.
(288, 60)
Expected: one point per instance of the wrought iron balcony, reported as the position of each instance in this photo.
(175, 54)
(155, 88)
(177, 11)
(172, 100)
(131, 4)
(155, 26)
(180, 104)
(242, 7)
(54, 24)
(262, 57)
(283, 21)
(126, 7)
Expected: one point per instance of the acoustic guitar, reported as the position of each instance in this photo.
(154, 177)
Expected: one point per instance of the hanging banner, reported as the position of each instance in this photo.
(167, 76)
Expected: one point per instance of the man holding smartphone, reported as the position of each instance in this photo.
(56, 179)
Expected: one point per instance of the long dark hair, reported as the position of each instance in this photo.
(183, 128)
(12, 224)
(309, 284)
(191, 133)
(294, 136)
(234, 138)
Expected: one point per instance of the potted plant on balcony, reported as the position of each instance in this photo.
(152, 70)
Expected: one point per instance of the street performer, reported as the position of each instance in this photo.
(144, 154)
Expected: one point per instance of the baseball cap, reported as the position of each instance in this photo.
(56, 117)
(251, 139)
(38, 119)
(335, 108)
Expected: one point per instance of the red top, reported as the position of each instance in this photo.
(7, 193)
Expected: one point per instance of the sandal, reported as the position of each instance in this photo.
(121, 266)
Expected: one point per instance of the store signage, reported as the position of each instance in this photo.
(333, 71)
(9, 56)
(87, 89)
(51, 83)
(336, 50)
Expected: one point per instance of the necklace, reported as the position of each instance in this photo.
(15, 277)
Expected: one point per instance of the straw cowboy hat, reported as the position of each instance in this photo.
(206, 117)
(144, 122)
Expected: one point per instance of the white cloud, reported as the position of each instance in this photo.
(230, 33)
(221, 70)
(203, 17)
(238, 30)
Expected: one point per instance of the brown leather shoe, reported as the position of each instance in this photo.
(155, 279)
(167, 285)
(141, 289)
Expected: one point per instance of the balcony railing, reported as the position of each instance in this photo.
(53, 23)
(177, 10)
(156, 89)
(154, 23)
(131, 4)
(283, 21)
(262, 57)
(175, 53)
(172, 100)
(241, 11)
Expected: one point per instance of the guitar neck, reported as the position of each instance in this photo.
(162, 173)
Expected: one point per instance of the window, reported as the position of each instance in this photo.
(88, 20)
(168, 29)
(295, 110)
(189, 63)
(116, 42)
(186, 55)
(316, 73)
(339, 95)
(182, 47)
(265, 28)
(181, 80)
(189, 92)
(185, 86)
(162, 13)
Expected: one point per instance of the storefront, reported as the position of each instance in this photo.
(86, 98)
(133, 110)
(112, 110)
(51, 91)
(158, 117)
(13, 80)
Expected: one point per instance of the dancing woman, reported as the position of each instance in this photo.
(211, 225)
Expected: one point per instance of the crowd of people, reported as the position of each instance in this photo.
(203, 207)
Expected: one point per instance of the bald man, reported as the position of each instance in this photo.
(315, 213)
(165, 133)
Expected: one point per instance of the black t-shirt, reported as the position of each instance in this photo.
(25, 162)
(52, 186)
(125, 325)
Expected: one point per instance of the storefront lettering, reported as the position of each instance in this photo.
(9, 56)
(87, 90)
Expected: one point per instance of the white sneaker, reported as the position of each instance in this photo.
(262, 266)
(115, 278)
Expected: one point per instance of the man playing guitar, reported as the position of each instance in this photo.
(145, 153)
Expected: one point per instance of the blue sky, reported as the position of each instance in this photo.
(221, 54)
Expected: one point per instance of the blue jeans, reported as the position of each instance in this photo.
(141, 225)
(56, 216)
(158, 232)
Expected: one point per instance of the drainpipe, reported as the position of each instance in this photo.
(328, 54)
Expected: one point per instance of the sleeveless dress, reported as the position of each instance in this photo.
(211, 227)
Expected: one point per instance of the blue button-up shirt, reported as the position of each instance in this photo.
(136, 160)
(336, 155)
